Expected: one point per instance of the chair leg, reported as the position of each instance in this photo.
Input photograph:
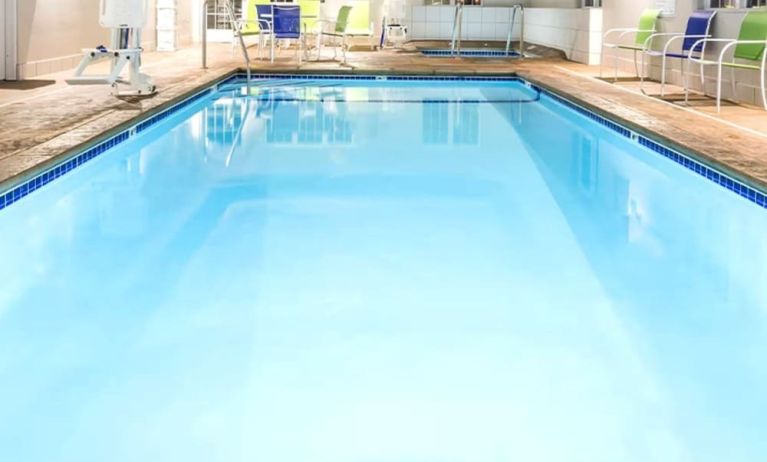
(764, 90)
(615, 65)
(636, 66)
(733, 84)
(641, 76)
(703, 80)
(601, 61)
(686, 81)
(271, 49)
(663, 76)
(719, 87)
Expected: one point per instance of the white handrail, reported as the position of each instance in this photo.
(512, 19)
(237, 32)
(457, 20)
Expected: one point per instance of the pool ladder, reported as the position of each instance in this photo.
(235, 30)
(512, 20)
(516, 10)
(455, 43)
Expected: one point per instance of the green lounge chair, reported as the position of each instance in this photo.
(647, 24)
(310, 14)
(360, 24)
(253, 25)
(749, 54)
(335, 31)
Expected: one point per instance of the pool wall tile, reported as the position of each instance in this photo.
(9, 197)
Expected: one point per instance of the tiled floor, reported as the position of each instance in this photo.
(45, 120)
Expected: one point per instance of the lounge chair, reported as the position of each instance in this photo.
(698, 27)
(647, 23)
(336, 31)
(750, 47)
(255, 22)
(286, 24)
(360, 25)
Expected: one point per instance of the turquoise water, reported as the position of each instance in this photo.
(339, 271)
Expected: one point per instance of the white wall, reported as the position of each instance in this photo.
(51, 33)
(575, 31)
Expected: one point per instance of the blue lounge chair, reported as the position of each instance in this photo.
(285, 24)
(698, 27)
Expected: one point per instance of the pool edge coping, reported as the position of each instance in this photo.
(740, 182)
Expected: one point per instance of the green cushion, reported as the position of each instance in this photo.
(646, 23)
(343, 19)
(753, 27)
(741, 66)
(630, 47)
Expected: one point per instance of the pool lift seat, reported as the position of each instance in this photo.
(125, 18)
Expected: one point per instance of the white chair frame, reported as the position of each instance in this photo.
(648, 51)
(622, 32)
(719, 63)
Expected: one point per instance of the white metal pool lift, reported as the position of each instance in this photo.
(125, 18)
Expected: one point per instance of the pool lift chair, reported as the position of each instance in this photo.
(394, 30)
(125, 18)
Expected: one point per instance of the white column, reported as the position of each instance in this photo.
(167, 38)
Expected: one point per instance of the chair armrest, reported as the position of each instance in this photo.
(622, 32)
(741, 42)
(648, 40)
(680, 37)
(707, 40)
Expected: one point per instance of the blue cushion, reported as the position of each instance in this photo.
(287, 21)
(697, 24)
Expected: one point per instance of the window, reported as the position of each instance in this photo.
(217, 17)
(737, 3)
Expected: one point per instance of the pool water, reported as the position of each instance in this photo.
(382, 271)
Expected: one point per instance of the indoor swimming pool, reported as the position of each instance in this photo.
(373, 269)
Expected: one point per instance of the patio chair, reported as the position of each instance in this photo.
(286, 25)
(336, 31)
(360, 24)
(647, 22)
(256, 21)
(698, 27)
(750, 47)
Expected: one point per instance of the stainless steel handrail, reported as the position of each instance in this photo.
(236, 31)
(204, 23)
(457, 21)
(512, 20)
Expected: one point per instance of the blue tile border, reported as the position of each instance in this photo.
(466, 78)
(711, 174)
(470, 53)
(14, 194)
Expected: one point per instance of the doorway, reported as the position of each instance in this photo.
(7, 39)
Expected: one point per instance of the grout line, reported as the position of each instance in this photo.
(688, 109)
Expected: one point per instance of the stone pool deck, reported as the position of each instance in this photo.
(45, 121)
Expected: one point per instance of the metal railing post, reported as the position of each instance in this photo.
(204, 23)
(236, 31)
